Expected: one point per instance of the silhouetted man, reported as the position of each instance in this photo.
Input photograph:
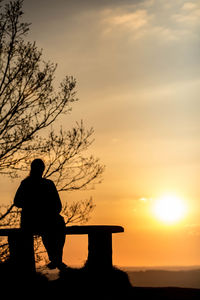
(41, 207)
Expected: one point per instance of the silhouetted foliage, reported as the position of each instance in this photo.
(30, 103)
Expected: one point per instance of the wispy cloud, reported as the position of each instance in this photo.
(169, 21)
(133, 20)
(189, 15)
(121, 20)
(188, 6)
(193, 229)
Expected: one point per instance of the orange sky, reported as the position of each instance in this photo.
(137, 68)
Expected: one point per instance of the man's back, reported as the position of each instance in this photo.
(39, 201)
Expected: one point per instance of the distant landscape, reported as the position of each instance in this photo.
(185, 277)
(176, 276)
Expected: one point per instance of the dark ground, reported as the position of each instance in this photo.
(84, 284)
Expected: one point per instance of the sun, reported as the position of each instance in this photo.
(169, 209)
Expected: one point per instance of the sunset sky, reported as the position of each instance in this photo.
(137, 69)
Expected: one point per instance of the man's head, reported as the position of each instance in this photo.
(37, 167)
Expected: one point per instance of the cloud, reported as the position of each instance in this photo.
(166, 22)
(127, 19)
(134, 20)
(79, 4)
(188, 6)
(193, 229)
(189, 14)
(145, 200)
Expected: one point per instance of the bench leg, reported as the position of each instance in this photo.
(21, 248)
(99, 251)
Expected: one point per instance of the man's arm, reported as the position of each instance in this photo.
(19, 197)
(56, 198)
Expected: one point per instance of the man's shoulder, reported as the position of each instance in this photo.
(43, 180)
(25, 180)
(47, 181)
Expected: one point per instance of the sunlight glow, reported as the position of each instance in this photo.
(169, 209)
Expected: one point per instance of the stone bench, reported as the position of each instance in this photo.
(99, 245)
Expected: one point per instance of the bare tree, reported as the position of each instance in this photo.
(30, 104)
(28, 101)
